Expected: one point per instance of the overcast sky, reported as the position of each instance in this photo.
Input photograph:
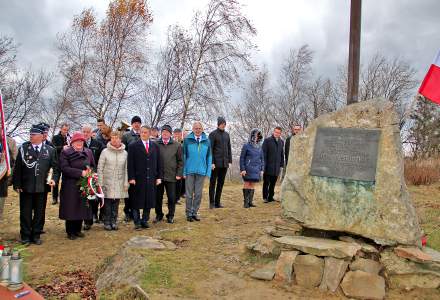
(407, 29)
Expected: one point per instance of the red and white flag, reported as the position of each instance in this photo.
(430, 87)
(4, 160)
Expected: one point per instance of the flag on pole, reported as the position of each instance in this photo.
(430, 87)
(5, 160)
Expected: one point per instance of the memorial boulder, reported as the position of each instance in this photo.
(345, 173)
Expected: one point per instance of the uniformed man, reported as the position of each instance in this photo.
(34, 160)
(45, 127)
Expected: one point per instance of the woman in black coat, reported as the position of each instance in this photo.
(251, 165)
(73, 163)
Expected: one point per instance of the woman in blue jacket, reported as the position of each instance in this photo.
(251, 165)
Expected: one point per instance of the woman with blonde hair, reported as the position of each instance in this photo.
(113, 178)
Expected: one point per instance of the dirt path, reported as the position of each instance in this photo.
(210, 262)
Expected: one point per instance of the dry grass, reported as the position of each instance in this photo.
(422, 172)
(210, 262)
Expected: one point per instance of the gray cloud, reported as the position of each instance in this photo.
(403, 28)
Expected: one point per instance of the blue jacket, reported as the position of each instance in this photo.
(251, 161)
(197, 156)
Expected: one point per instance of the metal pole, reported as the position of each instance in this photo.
(354, 52)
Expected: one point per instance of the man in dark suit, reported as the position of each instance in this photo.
(129, 137)
(59, 141)
(221, 161)
(145, 172)
(273, 150)
(45, 128)
(96, 147)
(34, 160)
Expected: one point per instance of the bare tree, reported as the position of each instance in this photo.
(104, 61)
(424, 134)
(162, 93)
(219, 41)
(394, 79)
(293, 84)
(321, 98)
(8, 53)
(23, 98)
(258, 108)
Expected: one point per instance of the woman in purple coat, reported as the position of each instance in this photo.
(73, 162)
(251, 165)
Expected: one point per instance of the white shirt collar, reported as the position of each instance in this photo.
(39, 146)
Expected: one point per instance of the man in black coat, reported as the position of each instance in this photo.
(45, 128)
(128, 138)
(59, 141)
(273, 151)
(221, 160)
(145, 172)
(96, 147)
(34, 160)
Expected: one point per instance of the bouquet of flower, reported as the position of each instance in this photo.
(90, 189)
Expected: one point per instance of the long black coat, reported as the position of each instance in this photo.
(145, 169)
(221, 148)
(72, 163)
(273, 151)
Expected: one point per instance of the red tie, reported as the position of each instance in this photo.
(147, 146)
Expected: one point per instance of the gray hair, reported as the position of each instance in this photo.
(87, 126)
(197, 123)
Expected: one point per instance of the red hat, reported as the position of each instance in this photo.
(77, 136)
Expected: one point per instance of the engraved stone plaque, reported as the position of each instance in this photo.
(347, 153)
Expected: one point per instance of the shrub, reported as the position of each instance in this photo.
(422, 171)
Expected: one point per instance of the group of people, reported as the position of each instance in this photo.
(139, 166)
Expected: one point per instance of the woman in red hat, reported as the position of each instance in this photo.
(74, 162)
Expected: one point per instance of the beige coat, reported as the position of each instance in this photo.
(112, 172)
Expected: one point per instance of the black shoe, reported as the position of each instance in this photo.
(127, 219)
(170, 220)
(71, 237)
(42, 232)
(79, 234)
(25, 242)
(54, 201)
(145, 225)
(157, 220)
(252, 205)
(87, 227)
(37, 242)
(95, 219)
(108, 227)
(219, 206)
(265, 201)
(195, 218)
(189, 219)
(137, 227)
(114, 227)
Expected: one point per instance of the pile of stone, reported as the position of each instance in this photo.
(359, 269)
(348, 219)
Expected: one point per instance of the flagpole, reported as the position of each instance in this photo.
(4, 139)
(354, 52)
